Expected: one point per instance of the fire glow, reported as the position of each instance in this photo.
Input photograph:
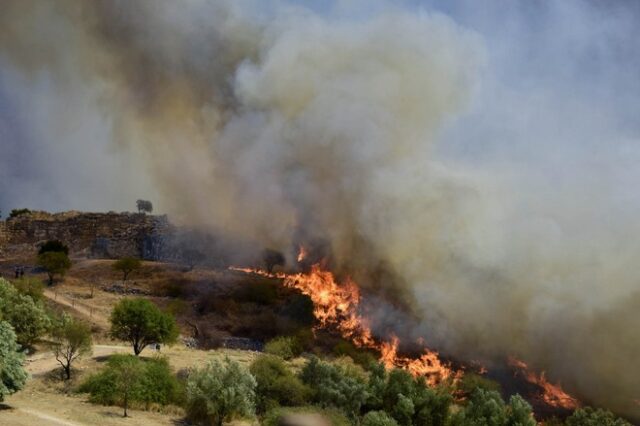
(336, 307)
(552, 394)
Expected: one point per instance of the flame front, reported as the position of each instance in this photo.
(336, 307)
(552, 394)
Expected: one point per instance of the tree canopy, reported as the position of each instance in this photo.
(140, 322)
(144, 206)
(126, 266)
(12, 374)
(54, 263)
(26, 315)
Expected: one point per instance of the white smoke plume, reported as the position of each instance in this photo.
(458, 152)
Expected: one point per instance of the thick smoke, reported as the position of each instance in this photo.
(471, 169)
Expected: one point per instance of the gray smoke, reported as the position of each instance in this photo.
(486, 160)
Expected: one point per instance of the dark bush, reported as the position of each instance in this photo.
(54, 246)
(18, 212)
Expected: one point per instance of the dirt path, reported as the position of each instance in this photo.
(46, 417)
(44, 362)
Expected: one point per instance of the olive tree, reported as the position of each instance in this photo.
(219, 392)
(140, 322)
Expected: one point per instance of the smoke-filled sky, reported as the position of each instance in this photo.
(486, 153)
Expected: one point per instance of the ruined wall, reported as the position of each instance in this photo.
(100, 235)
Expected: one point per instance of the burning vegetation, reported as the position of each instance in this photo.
(337, 308)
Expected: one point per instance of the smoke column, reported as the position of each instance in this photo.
(486, 161)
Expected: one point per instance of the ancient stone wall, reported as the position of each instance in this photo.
(100, 235)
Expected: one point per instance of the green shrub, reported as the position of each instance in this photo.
(333, 386)
(592, 417)
(276, 384)
(127, 379)
(220, 391)
(283, 346)
(334, 417)
(378, 418)
(12, 374)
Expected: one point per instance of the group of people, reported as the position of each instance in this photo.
(18, 271)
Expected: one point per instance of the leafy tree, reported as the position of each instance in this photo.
(285, 347)
(219, 392)
(378, 418)
(334, 386)
(591, 417)
(140, 322)
(54, 246)
(12, 374)
(126, 266)
(55, 263)
(123, 379)
(276, 384)
(144, 206)
(27, 317)
(70, 339)
(127, 380)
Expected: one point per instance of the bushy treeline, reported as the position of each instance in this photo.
(341, 391)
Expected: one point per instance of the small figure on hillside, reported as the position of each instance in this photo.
(16, 270)
(158, 347)
(21, 271)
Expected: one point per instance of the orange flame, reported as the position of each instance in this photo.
(336, 307)
(552, 394)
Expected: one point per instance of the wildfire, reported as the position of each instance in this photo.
(552, 394)
(336, 307)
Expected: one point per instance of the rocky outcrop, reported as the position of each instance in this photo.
(99, 235)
